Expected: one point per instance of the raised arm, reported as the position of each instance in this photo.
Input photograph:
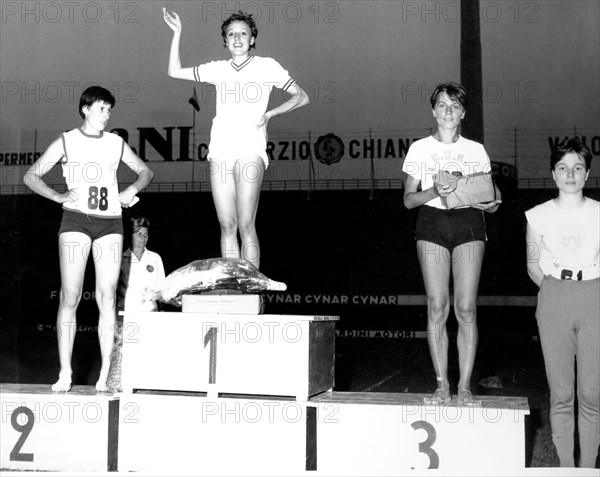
(144, 176)
(175, 70)
(297, 99)
(33, 176)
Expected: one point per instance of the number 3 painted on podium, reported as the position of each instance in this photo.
(425, 446)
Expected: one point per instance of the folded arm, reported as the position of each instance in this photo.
(144, 176)
(534, 244)
(33, 176)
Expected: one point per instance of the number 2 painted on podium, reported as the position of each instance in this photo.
(25, 430)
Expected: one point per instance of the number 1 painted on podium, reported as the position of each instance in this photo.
(211, 337)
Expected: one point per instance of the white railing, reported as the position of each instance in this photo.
(300, 185)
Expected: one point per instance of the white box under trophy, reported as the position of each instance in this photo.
(272, 355)
(223, 303)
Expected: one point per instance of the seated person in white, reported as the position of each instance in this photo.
(141, 271)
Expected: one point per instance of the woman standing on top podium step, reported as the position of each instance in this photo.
(449, 242)
(237, 149)
(563, 259)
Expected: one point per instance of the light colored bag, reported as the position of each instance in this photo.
(113, 380)
(478, 188)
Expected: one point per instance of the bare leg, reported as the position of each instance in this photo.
(222, 182)
(107, 260)
(435, 266)
(236, 191)
(248, 185)
(74, 249)
(466, 267)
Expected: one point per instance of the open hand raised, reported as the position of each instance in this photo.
(172, 20)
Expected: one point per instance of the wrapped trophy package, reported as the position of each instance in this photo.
(214, 274)
(478, 188)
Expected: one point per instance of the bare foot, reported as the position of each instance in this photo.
(440, 396)
(466, 398)
(101, 385)
(63, 385)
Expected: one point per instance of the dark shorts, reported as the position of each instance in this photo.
(450, 228)
(93, 227)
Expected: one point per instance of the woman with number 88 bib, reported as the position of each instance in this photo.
(91, 221)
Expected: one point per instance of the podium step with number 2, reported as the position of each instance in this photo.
(75, 431)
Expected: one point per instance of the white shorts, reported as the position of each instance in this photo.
(227, 145)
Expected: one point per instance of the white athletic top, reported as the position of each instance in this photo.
(144, 275)
(90, 165)
(570, 239)
(242, 97)
(427, 156)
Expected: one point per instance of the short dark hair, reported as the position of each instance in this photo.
(240, 17)
(138, 222)
(570, 144)
(95, 94)
(454, 91)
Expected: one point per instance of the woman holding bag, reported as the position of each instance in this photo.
(449, 242)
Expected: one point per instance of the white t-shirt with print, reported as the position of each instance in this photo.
(570, 243)
(428, 156)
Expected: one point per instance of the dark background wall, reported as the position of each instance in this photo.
(329, 244)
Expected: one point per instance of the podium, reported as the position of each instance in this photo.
(45, 431)
(179, 433)
(217, 354)
(225, 394)
(255, 393)
(396, 434)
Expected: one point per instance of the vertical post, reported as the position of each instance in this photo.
(470, 68)
(515, 146)
(310, 167)
(372, 170)
(193, 146)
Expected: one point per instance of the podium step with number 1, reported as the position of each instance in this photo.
(267, 355)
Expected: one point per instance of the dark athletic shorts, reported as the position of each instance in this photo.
(450, 228)
(93, 227)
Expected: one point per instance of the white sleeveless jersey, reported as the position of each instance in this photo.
(90, 165)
